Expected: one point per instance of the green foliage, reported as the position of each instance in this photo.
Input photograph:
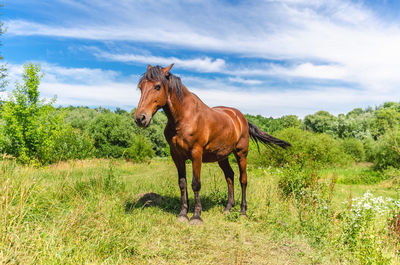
(386, 118)
(363, 176)
(365, 226)
(112, 134)
(3, 139)
(320, 122)
(71, 143)
(30, 124)
(354, 148)
(80, 117)
(120, 111)
(355, 124)
(387, 150)
(322, 149)
(272, 125)
(139, 150)
(297, 177)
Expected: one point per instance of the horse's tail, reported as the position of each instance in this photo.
(258, 135)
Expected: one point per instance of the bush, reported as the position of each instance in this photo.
(72, 143)
(80, 117)
(139, 150)
(112, 134)
(322, 149)
(369, 149)
(387, 150)
(320, 122)
(354, 148)
(297, 177)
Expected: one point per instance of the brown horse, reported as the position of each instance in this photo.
(197, 132)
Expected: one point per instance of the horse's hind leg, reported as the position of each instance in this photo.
(226, 167)
(241, 157)
(197, 154)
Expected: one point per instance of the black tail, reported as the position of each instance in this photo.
(258, 135)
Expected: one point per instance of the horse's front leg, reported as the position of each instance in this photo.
(181, 167)
(197, 156)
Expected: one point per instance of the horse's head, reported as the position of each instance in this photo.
(154, 93)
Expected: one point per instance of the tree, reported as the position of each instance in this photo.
(385, 118)
(30, 124)
(321, 121)
(112, 134)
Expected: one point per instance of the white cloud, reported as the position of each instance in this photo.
(309, 70)
(204, 64)
(244, 81)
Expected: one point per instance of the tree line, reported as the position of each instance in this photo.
(32, 130)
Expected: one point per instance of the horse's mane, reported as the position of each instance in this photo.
(155, 74)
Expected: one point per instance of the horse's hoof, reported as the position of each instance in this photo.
(243, 214)
(227, 210)
(196, 221)
(183, 218)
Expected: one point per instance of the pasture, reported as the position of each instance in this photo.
(116, 212)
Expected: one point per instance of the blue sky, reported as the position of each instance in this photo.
(263, 57)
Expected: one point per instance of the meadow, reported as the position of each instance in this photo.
(107, 211)
(88, 186)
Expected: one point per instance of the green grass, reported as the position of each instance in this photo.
(91, 212)
(354, 181)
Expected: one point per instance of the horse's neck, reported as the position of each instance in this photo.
(177, 107)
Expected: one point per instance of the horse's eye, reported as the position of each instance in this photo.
(157, 87)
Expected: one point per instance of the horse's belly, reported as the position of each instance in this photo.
(217, 155)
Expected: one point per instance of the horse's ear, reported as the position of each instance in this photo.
(167, 69)
(148, 67)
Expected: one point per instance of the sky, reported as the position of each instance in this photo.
(267, 57)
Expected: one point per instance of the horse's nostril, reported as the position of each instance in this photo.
(141, 119)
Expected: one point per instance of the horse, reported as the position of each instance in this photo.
(197, 132)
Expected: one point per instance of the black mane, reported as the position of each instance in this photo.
(155, 74)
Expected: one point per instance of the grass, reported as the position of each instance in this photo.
(354, 181)
(97, 212)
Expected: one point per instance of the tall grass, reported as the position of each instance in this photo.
(117, 212)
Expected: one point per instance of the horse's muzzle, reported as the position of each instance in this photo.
(142, 120)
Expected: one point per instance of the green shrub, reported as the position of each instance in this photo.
(387, 150)
(112, 134)
(80, 117)
(369, 149)
(72, 143)
(322, 149)
(139, 150)
(296, 177)
(354, 148)
(320, 122)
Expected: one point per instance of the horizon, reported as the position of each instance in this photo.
(295, 57)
